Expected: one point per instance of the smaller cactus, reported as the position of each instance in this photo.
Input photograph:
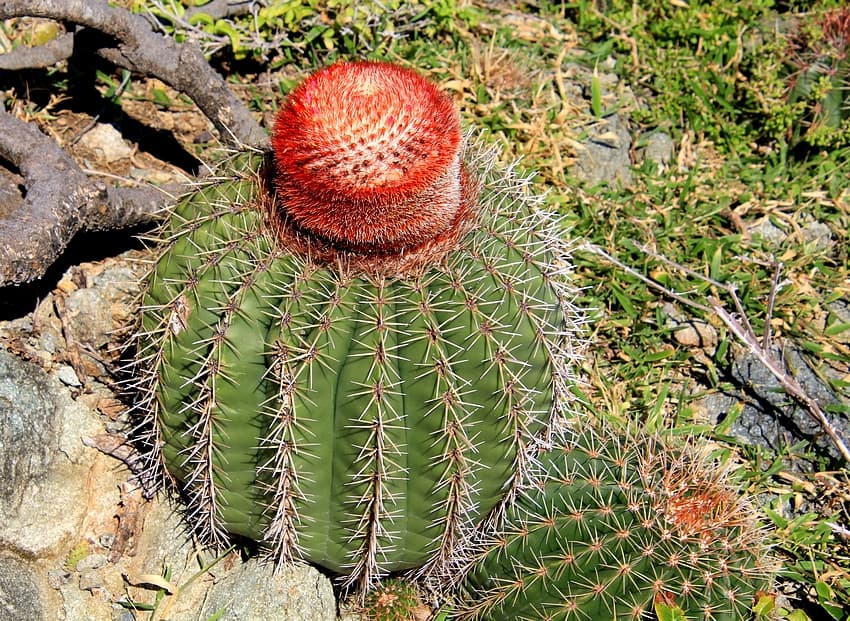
(395, 599)
(819, 59)
(609, 526)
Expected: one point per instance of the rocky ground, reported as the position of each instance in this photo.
(78, 540)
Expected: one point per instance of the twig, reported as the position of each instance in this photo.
(739, 326)
(60, 201)
(588, 247)
(791, 385)
(141, 50)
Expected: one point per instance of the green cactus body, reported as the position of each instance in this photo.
(393, 600)
(359, 421)
(611, 525)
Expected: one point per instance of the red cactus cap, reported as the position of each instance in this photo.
(367, 157)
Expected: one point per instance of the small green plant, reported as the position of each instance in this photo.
(76, 554)
(392, 600)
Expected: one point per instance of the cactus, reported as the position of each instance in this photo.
(394, 600)
(349, 345)
(617, 526)
(819, 80)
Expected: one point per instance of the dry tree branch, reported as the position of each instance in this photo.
(740, 326)
(62, 47)
(791, 385)
(60, 198)
(40, 56)
(141, 50)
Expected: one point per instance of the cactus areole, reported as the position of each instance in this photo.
(349, 345)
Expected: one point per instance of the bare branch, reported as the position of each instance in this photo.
(40, 56)
(670, 293)
(60, 198)
(739, 326)
(140, 49)
(60, 201)
(791, 385)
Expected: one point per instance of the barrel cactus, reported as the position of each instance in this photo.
(621, 526)
(350, 344)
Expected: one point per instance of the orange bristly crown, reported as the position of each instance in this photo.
(367, 158)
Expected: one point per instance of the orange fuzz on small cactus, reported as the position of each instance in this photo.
(367, 158)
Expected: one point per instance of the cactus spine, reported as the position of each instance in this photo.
(609, 525)
(350, 345)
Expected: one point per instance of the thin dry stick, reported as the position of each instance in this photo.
(655, 285)
(740, 327)
(771, 302)
(791, 385)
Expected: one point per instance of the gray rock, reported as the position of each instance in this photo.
(43, 469)
(89, 317)
(818, 235)
(56, 578)
(96, 312)
(92, 561)
(68, 376)
(659, 149)
(82, 605)
(604, 156)
(20, 595)
(768, 231)
(29, 428)
(254, 592)
(90, 580)
(771, 418)
(106, 540)
(106, 142)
